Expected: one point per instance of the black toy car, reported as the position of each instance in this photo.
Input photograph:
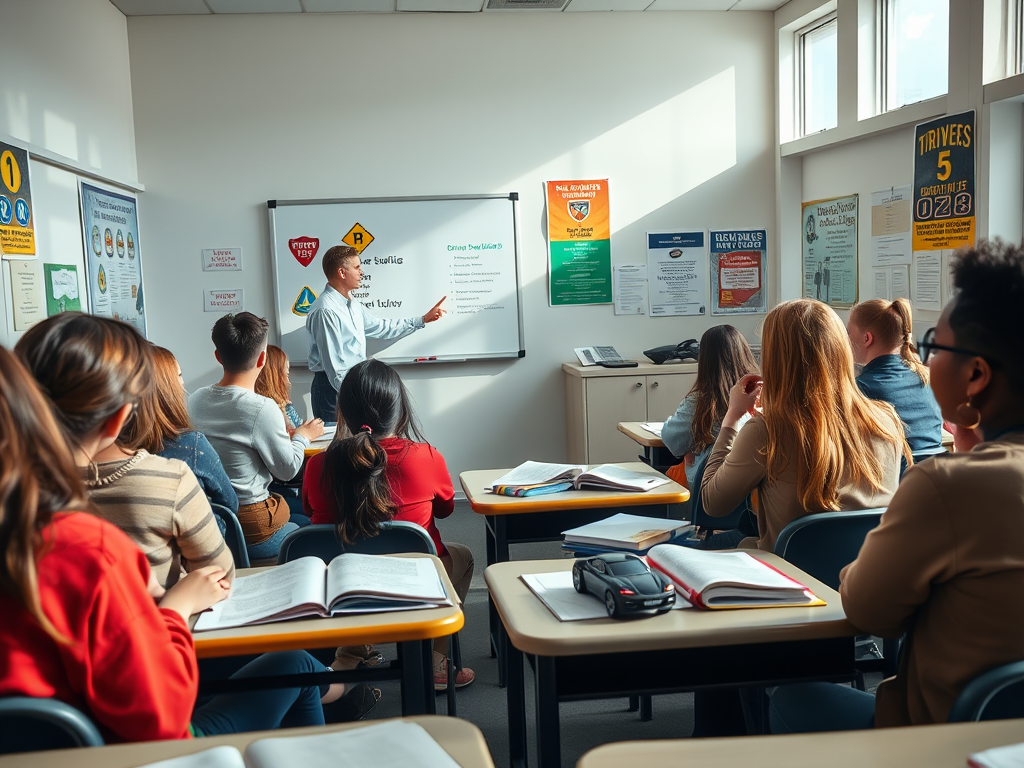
(625, 582)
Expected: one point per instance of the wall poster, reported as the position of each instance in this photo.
(61, 289)
(944, 183)
(676, 266)
(110, 224)
(17, 228)
(739, 270)
(579, 242)
(829, 242)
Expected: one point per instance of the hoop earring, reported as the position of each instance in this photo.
(968, 413)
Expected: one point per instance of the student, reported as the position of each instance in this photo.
(248, 433)
(170, 433)
(820, 445)
(95, 370)
(274, 382)
(724, 358)
(881, 334)
(384, 470)
(945, 566)
(80, 625)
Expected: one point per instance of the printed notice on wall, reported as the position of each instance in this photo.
(579, 242)
(224, 300)
(630, 289)
(222, 259)
(739, 267)
(17, 227)
(891, 241)
(830, 251)
(62, 293)
(676, 264)
(927, 288)
(27, 296)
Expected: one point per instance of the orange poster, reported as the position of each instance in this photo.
(579, 242)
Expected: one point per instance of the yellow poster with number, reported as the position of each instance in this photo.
(17, 227)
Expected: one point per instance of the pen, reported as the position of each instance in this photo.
(424, 359)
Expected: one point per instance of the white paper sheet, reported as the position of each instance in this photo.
(927, 286)
(891, 241)
(629, 288)
(556, 591)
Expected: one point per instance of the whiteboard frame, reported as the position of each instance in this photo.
(512, 197)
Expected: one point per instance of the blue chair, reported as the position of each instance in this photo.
(922, 455)
(233, 536)
(741, 517)
(30, 724)
(395, 536)
(994, 695)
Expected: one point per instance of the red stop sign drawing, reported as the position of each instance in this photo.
(304, 249)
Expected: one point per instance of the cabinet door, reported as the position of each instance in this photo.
(609, 401)
(665, 392)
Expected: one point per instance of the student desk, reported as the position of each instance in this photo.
(655, 452)
(520, 519)
(682, 650)
(460, 739)
(935, 746)
(413, 631)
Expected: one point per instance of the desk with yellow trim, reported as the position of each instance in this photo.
(413, 631)
(682, 650)
(460, 739)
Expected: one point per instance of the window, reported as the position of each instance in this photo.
(817, 76)
(914, 48)
(1015, 35)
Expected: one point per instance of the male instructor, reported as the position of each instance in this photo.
(337, 327)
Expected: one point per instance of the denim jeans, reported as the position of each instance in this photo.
(324, 398)
(270, 547)
(264, 710)
(816, 707)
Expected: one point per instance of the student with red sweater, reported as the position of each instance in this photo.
(80, 621)
(384, 470)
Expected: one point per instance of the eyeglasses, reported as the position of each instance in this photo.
(927, 345)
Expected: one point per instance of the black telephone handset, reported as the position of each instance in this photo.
(684, 350)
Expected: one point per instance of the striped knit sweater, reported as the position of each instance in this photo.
(159, 504)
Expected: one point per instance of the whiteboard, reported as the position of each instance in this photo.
(415, 250)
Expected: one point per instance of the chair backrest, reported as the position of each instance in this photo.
(396, 536)
(233, 536)
(927, 454)
(702, 519)
(823, 544)
(30, 725)
(994, 695)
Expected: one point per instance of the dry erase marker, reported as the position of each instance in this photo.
(425, 359)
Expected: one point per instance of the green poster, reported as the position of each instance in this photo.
(581, 272)
(61, 288)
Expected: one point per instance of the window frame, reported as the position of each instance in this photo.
(883, 26)
(800, 102)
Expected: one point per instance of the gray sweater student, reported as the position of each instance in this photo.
(248, 433)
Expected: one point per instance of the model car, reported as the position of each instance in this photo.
(625, 583)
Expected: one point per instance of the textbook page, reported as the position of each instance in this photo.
(276, 593)
(654, 427)
(610, 476)
(217, 757)
(411, 578)
(700, 570)
(537, 472)
(395, 744)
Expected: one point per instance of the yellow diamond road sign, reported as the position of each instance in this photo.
(358, 237)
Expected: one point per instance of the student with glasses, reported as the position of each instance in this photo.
(945, 567)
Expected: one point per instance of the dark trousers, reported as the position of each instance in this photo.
(324, 398)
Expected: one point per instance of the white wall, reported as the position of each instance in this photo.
(66, 92)
(230, 111)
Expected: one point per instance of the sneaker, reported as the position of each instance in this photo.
(357, 657)
(463, 677)
(357, 702)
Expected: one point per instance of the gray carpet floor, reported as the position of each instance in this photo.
(585, 725)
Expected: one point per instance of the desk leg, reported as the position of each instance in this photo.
(516, 698)
(417, 677)
(497, 552)
(549, 742)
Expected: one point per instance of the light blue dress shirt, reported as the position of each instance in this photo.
(336, 331)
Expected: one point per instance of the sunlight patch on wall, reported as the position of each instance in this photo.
(60, 135)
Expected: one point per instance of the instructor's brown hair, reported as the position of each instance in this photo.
(335, 258)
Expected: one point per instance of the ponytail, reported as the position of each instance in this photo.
(355, 476)
(892, 325)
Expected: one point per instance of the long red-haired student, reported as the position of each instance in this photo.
(79, 623)
(819, 444)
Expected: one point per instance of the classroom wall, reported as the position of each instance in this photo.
(230, 111)
(66, 94)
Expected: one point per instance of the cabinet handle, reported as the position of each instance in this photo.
(639, 383)
(654, 384)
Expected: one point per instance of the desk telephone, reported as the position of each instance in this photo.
(682, 351)
(606, 357)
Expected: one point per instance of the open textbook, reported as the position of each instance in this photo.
(533, 475)
(728, 579)
(393, 744)
(352, 583)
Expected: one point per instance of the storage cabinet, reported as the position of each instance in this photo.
(597, 399)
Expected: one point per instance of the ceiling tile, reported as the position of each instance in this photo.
(441, 6)
(160, 7)
(607, 5)
(758, 5)
(349, 6)
(255, 6)
(691, 5)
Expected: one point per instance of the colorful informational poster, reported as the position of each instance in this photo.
(62, 294)
(739, 271)
(676, 266)
(110, 223)
(17, 225)
(28, 301)
(579, 243)
(944, 183)
(830, 250)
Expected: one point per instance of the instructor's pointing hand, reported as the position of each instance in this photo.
(435, 312)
